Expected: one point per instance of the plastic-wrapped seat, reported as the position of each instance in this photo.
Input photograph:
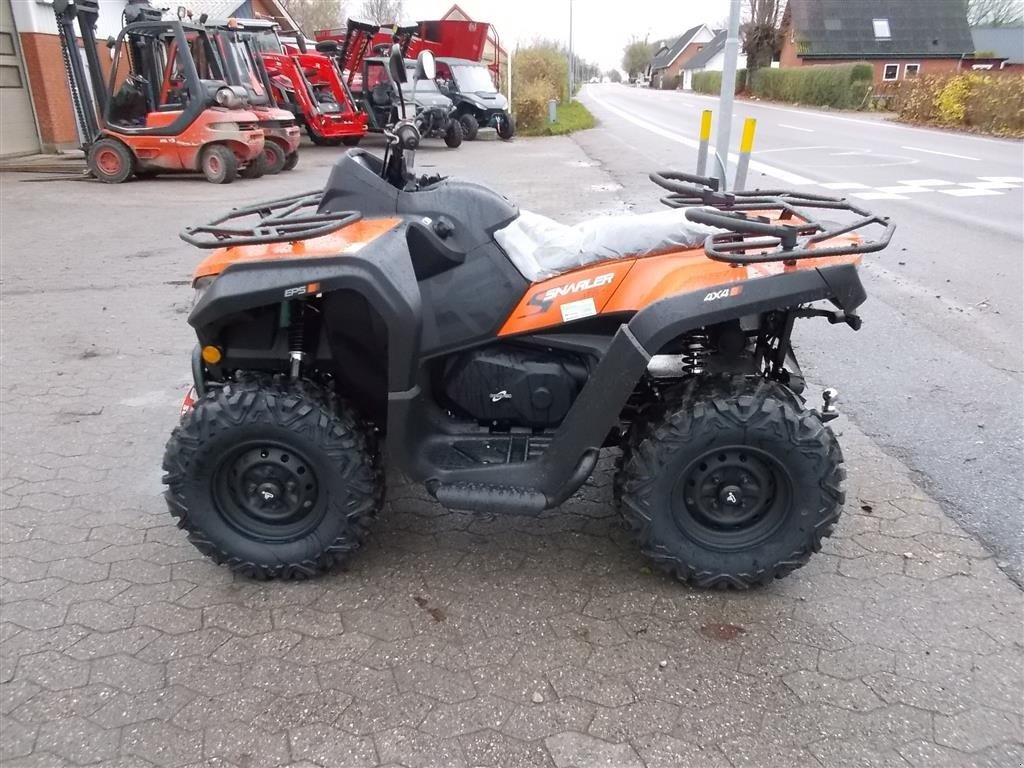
(541, 247)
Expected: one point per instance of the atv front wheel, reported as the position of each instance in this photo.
(734, 486)
(219, 164)
(506, 127)
(271, 480)
(453, 136)
(110, 161)
(470, 127)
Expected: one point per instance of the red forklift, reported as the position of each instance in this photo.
(243, 66)
(309, 86)
(163, 109)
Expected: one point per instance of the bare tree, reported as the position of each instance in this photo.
(995, 13)
(312, 15)
(381, 11)
(762, 38)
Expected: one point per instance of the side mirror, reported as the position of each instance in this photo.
(396, 65)
(330, 47)
(426, 67)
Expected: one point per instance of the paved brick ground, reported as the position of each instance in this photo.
(454, 639)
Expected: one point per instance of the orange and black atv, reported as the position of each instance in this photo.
(490, 354)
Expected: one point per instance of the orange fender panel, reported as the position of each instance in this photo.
(347, 239)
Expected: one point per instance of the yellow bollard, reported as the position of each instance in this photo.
(746, 145)
(705, 137)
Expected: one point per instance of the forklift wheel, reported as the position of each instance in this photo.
(219, 164)
(351, 141)
(273, 158)
(291, 161)
(470, 126)
(255, 168)
(110, 161)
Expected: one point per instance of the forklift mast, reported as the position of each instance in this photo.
(89, 112)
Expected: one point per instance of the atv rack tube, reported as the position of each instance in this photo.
(277, 221)
(772, 241)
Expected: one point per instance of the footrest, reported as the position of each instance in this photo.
(491, 498)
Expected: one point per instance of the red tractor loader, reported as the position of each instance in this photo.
(309, 86)
(165, 107)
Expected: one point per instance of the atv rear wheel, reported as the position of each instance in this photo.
(273, 480)
(273, 158)
(506, 127)
(351, 141)
(219, 164)
(291, 161)
(453, 136)
(110, 161)
(470, 126)
(734, 486)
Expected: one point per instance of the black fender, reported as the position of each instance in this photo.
(381, 273)
(667, 319)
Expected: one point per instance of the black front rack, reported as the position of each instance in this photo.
(273, 221)
(771, 240)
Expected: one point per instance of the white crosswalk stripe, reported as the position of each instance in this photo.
(906, 188)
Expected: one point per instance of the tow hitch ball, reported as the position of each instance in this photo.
(828, 405)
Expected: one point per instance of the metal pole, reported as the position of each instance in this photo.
(746, 144)
(705, 137)
(572, 79)
(725, 98)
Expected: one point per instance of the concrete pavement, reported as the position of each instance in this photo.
(935, 375)
(454, 639)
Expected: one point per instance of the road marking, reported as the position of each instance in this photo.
(927, 182)
(968, 192)
(990, 185)
(1016, 179)
(755, 165)
(877, 196)
(904, 188)
(796, 128)
(944, 154)
(854, 152)
(843, 185)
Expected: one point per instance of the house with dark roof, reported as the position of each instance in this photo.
(670, 55)
(901, 39)
(710, 58)
(1004, 43)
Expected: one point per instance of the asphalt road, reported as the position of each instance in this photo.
(935, 374)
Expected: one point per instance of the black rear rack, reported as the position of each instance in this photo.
(771, 240)
(276, 221)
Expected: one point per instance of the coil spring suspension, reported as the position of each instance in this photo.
(297, 338)
(694, 353)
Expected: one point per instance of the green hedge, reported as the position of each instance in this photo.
(842, 86)
(711, 82)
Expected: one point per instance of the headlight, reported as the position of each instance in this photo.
(227, 98)
(224, 126)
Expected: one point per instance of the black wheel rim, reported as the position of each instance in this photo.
(268, 490)
(732, 497)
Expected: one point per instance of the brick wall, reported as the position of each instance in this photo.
(51, 99)
(789, 58)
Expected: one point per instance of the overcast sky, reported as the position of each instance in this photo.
(600, 28)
